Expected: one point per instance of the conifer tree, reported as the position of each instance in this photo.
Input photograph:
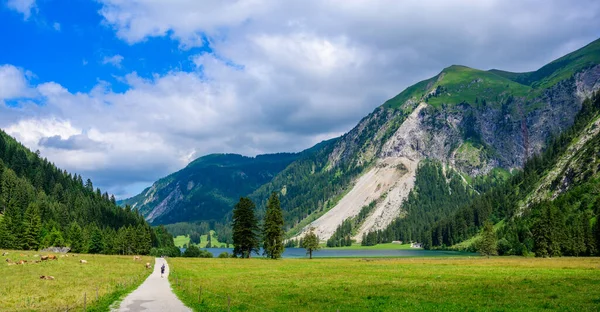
(488, 245)
(6, 238)
(32, 224)
(245, 228)
(311, 242)
(273, 233)
(96, 241)
(76, 238)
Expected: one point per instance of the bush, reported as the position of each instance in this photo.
(205, 254)
(224, 254)
(192, 252)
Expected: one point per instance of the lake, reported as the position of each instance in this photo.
(365, 253)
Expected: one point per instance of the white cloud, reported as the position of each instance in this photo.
(56, 26)
(283, 75)
(114, 60)
(22, 6)
(14, 83)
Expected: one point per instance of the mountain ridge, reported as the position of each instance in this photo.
(472, 120)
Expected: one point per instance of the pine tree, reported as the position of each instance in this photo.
(487, 245)
(273, 233)
(311, 242)
(6, 238)
(96, 241)
(32, 224)
(245, 228)
(76, 238)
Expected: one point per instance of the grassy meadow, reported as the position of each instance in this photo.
(111, 276)
(418, 284)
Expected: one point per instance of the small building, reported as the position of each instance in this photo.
(416, 245)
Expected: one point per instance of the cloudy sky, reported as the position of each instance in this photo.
(127, 91)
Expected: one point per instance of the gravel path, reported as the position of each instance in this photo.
(154, 294)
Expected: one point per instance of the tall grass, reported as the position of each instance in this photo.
(103, 280)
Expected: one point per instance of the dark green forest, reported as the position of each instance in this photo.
(42, 206)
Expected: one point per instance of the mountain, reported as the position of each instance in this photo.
(550, 208)
(42, 205)
(207, 188)
(454, 136)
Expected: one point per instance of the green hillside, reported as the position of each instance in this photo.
(457, 84)
(208, 187)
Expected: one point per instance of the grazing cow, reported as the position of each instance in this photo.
(148, 265)
(46, 277)
(44, 258)
(82, 261)
(137, 258)
(4, 254)
(22, 262)
(8, 260)
(52, 257)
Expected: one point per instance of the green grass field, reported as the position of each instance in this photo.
(112, 276)
(416, 284)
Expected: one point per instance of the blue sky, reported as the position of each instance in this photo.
(66, 41)
(128, 91)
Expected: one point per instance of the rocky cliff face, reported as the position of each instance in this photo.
(473, 138)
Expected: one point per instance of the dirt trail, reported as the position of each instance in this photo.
(154, 295)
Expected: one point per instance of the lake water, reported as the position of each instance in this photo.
(366, 253)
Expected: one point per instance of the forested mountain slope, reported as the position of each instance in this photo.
(550, 208)
(207, 188)
(43, 206)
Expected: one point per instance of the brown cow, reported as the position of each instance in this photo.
(82, 261)
(52, 257)
(44, 258)
(8, 260)
(44, 277)
(148, 265)
(22, 262)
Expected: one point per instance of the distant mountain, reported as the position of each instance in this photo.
(463, 128)
(207, 188)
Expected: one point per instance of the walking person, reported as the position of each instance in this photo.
(162, 270)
